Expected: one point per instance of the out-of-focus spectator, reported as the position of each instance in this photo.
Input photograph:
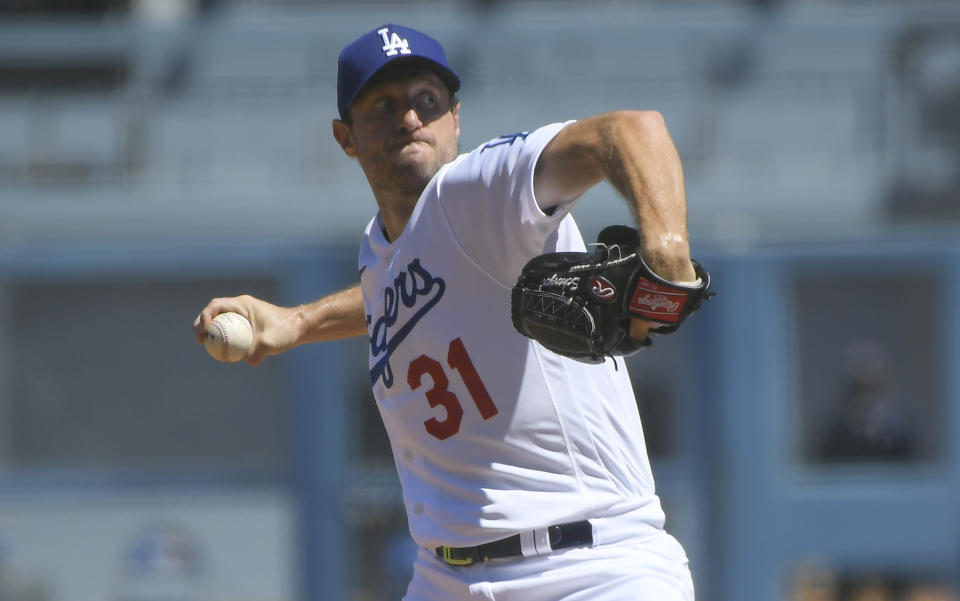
(814, 583)
(929, 592)
(870, 589)
(870, 422)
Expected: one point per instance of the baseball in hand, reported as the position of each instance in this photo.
(229, 337)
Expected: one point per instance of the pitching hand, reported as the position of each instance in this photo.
(275, 329)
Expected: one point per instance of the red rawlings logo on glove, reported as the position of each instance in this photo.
(603, 289)
(655, 302)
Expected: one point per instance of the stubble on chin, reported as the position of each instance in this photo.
(413, 176)
(407, 174)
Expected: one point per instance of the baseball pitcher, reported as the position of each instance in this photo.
(496, 335)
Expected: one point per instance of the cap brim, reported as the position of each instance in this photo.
(446, 75)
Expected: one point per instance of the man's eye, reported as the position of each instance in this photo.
(428, 100)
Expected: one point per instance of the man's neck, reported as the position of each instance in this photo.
(395, 211)
(396, 198)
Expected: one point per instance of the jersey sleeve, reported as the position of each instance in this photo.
(488, 200)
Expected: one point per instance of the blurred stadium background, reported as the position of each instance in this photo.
(157, 153)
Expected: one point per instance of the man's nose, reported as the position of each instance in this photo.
(410, 120)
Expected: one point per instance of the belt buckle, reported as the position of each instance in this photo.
(450, 559)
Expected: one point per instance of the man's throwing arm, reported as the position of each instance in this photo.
(278, 329)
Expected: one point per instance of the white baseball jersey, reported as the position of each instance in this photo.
(491, 433)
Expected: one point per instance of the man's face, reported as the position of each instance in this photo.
(403, 130)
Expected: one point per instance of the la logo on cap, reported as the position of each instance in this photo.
(394, 43)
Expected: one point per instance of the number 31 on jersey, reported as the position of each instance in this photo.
(439, 395)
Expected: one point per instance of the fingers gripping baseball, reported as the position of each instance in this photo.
(271, 325)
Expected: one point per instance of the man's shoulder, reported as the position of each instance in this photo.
(519, 139)
(506, 149)
(503, 140)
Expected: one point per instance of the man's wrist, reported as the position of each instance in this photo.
(676, 269)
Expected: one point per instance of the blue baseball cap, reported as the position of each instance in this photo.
(361, 60)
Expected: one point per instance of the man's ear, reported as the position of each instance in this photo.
(344, 136)
(456, 118)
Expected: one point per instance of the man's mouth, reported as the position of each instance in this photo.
(404, 143)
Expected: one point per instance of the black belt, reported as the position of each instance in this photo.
(536, 542)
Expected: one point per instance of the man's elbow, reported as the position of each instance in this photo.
(646, 124)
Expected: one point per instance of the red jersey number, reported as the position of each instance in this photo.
(439, 395)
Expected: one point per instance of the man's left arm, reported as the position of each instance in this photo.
(634, 151)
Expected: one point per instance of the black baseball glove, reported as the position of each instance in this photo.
(579, 304)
